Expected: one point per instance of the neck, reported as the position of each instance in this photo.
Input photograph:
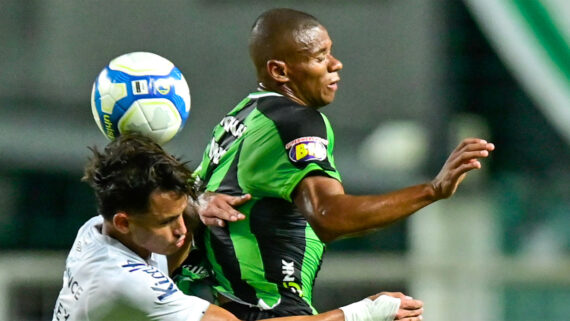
(283, 89)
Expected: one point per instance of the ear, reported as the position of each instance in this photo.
(121, 222)
(277, 70)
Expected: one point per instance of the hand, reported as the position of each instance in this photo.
(409, 310)
(215, 209)
(464, 158)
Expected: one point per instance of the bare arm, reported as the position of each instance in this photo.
(408, 309)
(215, 313)
(332, 213)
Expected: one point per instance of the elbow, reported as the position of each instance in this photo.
(326, 236)
(325, 227)
(324, 216)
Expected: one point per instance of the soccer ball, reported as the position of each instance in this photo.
(141, 92)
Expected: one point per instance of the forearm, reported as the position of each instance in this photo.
(215, 313)
(358, 213)
(376, 308)
(332, 213)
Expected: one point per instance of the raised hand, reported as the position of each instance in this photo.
(464, 158)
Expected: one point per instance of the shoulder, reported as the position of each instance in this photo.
(294, 121)
(285, 111)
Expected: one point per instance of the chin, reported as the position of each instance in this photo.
(323, 104)
(166, 250)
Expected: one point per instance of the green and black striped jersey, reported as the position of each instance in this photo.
(265, 146)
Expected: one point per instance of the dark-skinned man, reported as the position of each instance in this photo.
(278, 147)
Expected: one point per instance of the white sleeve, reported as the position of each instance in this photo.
(143, 290)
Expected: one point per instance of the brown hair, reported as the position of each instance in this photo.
(129, 169)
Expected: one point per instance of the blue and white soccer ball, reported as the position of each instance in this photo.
(142, 92)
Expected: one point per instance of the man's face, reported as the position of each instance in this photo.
(312, 69)
(161, 230)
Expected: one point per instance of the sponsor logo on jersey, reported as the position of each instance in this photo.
(288, 271)
(164, 286)
(307, 149)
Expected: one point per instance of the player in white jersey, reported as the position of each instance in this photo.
(118, 266)
(101, 270)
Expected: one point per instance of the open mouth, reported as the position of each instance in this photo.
(333, 85)
(180, 242)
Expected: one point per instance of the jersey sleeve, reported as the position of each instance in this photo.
(301, 143)
(141, 291)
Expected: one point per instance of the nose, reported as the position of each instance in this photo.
(180, 227)
(334, 64)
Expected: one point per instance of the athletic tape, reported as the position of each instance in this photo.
(384, 308)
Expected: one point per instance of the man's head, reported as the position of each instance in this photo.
(291, 52)
(141, 192)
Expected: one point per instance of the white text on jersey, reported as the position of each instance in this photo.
(216, 152)
(233, 126)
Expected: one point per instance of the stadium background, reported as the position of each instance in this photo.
(418, 75)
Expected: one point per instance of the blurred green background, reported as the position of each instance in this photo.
(418, 76)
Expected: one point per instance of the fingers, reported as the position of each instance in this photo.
(212, 221)
(410, 318)
(474, 149)
(226, 206)
(409, 310)
(407, 302)
(240, 200)
(216, 209)
(476, 141)
(465, 156)
(410, 303)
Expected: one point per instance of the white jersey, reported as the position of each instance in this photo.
(104, 280)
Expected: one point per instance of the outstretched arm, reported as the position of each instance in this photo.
(385, 306)
(332, 213)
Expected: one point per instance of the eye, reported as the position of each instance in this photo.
(169, 220)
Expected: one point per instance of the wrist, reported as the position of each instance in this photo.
(357, 311)
(383, 308)
(433, 191)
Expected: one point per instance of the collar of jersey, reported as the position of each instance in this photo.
(264, 94)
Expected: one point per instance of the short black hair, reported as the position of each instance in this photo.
(270, 30)
(129, 169)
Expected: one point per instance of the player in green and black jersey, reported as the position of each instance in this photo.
(277, 146)
(265, 147)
